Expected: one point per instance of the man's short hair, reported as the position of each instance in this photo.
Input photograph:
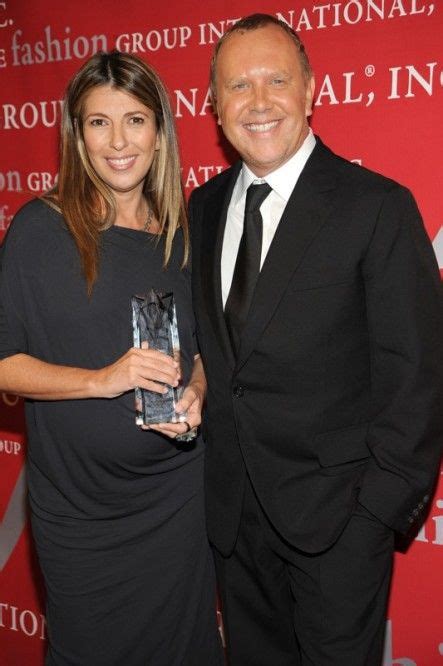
(253, 22)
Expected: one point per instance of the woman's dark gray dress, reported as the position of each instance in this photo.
(117, 512)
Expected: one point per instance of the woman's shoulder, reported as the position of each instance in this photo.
(34, 219)
(38, 213)
(35, 225)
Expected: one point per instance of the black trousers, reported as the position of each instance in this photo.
(284, 607)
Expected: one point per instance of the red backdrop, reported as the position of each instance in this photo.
(379, 72)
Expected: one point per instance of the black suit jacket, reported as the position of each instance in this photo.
(336, 394)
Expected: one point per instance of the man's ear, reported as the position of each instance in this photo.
(310, 90)
(215, 107)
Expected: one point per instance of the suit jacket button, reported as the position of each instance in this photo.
(410, 519)
(426, 498)
(237, 391)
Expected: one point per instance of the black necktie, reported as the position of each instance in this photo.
(247, 265)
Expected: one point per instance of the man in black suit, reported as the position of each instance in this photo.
(319, 318)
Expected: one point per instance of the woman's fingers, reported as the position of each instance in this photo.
(170, 429)
(146, 368)
(152, 365)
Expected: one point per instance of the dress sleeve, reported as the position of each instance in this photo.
(13, 335)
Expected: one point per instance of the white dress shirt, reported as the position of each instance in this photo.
(282, 181)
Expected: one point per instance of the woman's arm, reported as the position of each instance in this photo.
(29, 377)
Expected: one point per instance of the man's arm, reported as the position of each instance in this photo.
(405, 319)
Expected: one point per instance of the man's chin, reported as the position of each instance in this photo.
(263, 164)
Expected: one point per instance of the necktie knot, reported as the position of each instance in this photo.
(255, 196)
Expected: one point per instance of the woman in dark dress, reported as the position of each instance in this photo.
(117, 511)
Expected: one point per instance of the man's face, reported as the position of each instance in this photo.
(263, 98)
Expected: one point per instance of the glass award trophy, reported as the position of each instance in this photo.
(154, 321)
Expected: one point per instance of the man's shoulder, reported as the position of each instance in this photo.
(355, 175)
(214, 184)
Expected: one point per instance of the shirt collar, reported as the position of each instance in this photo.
(283, 179)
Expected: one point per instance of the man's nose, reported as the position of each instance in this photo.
(261, 100)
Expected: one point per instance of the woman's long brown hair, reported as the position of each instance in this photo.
(85, 201)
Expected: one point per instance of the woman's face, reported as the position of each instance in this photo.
(120, 137)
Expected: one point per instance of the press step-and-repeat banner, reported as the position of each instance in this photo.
(379, 102)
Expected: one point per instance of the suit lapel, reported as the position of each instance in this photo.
(304, 215)
(214, 216)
